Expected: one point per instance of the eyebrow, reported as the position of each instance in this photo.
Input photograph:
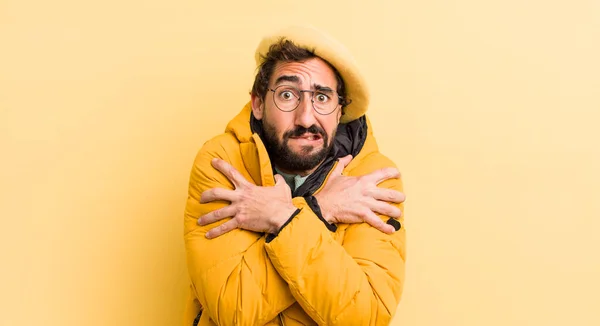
(294, 79)
(288, 78)
(323, 89)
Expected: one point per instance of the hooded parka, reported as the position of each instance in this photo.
(311, 272)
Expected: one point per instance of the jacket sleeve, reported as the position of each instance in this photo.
(231, 275)
(358, 282)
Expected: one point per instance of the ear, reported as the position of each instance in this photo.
(257, 107)
(339, 113)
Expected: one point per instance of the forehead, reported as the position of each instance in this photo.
(314, 71)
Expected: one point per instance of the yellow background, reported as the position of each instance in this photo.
(490, 109)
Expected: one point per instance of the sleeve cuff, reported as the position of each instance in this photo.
(272, 236)
(395, 223)
(314, 206)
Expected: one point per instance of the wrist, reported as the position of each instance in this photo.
(281, 217)
(314, 205)
(324, 210)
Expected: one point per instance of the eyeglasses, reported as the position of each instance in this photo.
(287, 98)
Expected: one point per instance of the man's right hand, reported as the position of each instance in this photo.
(350, 200)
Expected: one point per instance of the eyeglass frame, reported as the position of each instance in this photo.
(312, 99)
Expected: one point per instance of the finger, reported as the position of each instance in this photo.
(222, 229)
(280, 181)
(386, 209)
(342, 163)
(374, 220)
(230, 172)
(381, 175)
(388, 195)
(217, 215)
(346, 160)
(218, 194)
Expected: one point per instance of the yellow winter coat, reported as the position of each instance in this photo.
(310, 273)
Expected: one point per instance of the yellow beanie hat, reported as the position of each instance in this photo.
(331, 51)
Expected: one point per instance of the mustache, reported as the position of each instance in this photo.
(299, 131)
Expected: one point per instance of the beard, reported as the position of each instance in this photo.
(285, 158)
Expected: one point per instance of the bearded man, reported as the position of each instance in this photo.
(294, 217)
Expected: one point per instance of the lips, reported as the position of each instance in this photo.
(310, 137)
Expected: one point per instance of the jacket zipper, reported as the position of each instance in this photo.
(322, 182)
(326, 178)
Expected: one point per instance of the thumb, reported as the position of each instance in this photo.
(342, 163)
(279, 180)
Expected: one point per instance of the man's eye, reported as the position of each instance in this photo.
(287, 95)
(322, 97)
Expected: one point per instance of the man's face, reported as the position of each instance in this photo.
(299, 140)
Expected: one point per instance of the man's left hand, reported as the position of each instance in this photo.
(252, 207)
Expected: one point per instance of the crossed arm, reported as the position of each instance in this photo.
(241, 279)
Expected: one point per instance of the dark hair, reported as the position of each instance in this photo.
(286, 51)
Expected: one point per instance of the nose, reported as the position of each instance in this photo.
(305, 114)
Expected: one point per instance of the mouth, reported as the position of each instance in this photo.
(308, 137)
